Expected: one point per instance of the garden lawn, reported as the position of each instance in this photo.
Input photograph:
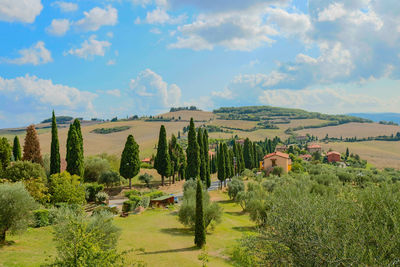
(163, 240)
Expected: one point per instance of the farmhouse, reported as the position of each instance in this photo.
(306, 157)
(146, 160)
(314, 148)
(282, 148)
(162, 201)
(277, 159)
(333, 156)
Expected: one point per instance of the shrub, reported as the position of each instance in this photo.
(100, 209)
(101, 197)
(135, 200)
(155, 194)
(144, 202)
(66, 188)
(91, 191)
(145, 165)
(41, 217)
(37, 189)
(234, 187)
(111, 178)
(146, 178)
(15, 207)
(24, 170)
(133, 192)
(94, 168)
(128, 206)
(277, 171)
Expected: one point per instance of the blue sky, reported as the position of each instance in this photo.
(124, 57)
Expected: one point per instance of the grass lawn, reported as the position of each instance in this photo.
(165, 241)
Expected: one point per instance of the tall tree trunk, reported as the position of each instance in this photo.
(162, 180)
(130, 183)
(3, 237)
(173, 178)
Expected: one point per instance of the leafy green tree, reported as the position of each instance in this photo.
(55, 163)
(130, 162)
(206, 158)
(94, 168)
(5, 153)
(24, 170)
(66, 188)
(15, 208)
(111, 178)
(75, 161)
(17, 149)
(201, 155)
(32, 146)
(146, 178)
(199, 228)
(193, 154)
(162, 162)
(247, 154)
(221, 165)
(86, 241)
(235, 187)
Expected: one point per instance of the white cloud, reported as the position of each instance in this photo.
(160, 16)
(58, 27)
(65, 6)
(153, 92)
(111, 62)
(90, 48)
(24, 11)
(114, 92)
(45, 91)
(96, 18)
(332, 12)
(289, 23)
(37, 54)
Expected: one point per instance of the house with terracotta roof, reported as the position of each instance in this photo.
(281, 148)
(146, 160)
(277, 159)
(333, 156)
(306, 157)
(314, 148)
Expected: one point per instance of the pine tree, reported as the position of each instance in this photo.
(75, 164)
(55, 148)
(130, 162)
(206, 158)
(221, 164)
(199, 228)
(201, 154)
(32, 146)
(16, 149)
(193, 155)
(162, 162)
(247, 154)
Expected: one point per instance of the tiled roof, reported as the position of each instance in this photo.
(278, 154)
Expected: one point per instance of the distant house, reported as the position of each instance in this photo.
(333, 156)
(240, 141)
(314, 148)
(211, 153)
(277, 159)
(282, 148)
(301, 138)
(306, 157)
(162, 201)
(146, 160)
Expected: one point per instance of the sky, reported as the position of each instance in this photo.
(107, 58)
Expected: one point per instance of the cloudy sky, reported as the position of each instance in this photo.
(93, 58)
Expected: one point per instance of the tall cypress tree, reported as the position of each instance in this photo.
(77, 125)
(32, 146)
(162, 162)
(247, 154)
(130, 162)
(55, 148)
(16, 149)
(227, 163)
(5, 153)
(206, 158)
(201, 154)
(193, 155)
(74, 157)
(242, 164)
(231, 163)
(199, 228)
(174, 156)
(255, 155)
(221, 164)
(236, 162)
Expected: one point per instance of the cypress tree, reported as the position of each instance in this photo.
(206, 158)
(236, 163)
(74, 157)
(5, 153)
(77, 125)
(55, 148)
(221, 164)
(227, 163)
(231, 164)
(247, 153)
(173, 152)
(199, 228)
(162, 162)
(16, 149)
(201, 154)
(242, 164)
(254, 155)
(32, 146)
(193, 155)
(130, 162)
(347, 152)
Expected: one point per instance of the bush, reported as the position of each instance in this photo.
(111, 178)
(41, 217)
(234, 187)
(133, 192)
(37, 189)
(155, 194)
(100, 209)
(94, 168)
(101, 197)
(146, 178)
(144, 202)
(277, 171)
(24, 170)
(66, 188)
(135, 200)
(92, 190)
(145, 165)
(128, 206)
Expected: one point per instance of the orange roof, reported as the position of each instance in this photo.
(305, 156)
(314, 146)
(146, 160)
(278, 154)
(333, 153)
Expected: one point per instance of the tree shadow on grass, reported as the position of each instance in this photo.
(236, 213)
(171, 250)
(227, 201)
(7, 243)
(245, 228)
(177, 231)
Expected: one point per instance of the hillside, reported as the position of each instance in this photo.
(256, 123)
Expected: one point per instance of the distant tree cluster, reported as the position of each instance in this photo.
(183, 108)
